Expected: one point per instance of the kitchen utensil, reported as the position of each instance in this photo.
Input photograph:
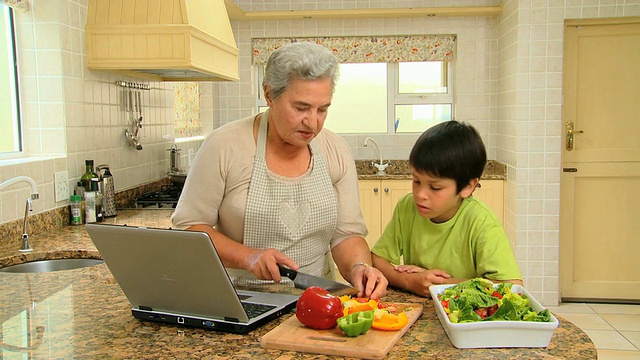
(139, 93)
(374, 344)
(108, 190)
(303, 281)
(174, 159)
(131, 135)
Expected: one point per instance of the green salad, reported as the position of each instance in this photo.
(478, 300)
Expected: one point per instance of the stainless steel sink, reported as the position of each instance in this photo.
(51, 265)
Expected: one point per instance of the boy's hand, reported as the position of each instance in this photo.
(422, 280)
(408, 269)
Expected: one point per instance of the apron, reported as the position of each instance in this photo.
(294, 216)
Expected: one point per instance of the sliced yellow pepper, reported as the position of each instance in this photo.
(390, 321)
(350, 306)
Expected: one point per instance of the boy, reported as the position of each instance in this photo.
(442, 233)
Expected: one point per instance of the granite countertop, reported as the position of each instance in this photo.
(83, 313)
(401, 170)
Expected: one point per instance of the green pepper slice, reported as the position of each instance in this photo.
(356, 323)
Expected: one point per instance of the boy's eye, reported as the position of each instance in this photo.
(435, 188)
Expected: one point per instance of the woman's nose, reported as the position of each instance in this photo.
(311, 119)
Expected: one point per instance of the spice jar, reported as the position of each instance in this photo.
(76, 209)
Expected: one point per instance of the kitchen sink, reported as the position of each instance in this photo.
(50, 265)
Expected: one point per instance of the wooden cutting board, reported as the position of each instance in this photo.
(375, 344)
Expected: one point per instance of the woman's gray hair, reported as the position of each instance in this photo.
(299, 60)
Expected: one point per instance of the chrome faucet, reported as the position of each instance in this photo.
(381, 166)
(25, 237)
(34, 196)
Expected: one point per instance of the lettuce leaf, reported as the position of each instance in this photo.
(474, 294)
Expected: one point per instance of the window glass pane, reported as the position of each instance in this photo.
(422, 78)
(359, 103)
(9, 120)
(418, 118)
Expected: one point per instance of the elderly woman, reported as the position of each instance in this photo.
(276, 189)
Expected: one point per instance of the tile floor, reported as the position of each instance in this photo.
(613, 328)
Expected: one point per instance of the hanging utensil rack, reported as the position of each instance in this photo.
(132, 107)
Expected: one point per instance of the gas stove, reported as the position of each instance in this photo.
(167, 197)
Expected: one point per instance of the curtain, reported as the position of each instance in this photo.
(364, 49)
(186, 108)
(19, 5)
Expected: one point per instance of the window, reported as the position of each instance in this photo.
(388, 98)
(10, 139)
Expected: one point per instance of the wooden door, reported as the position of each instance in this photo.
(600, 182)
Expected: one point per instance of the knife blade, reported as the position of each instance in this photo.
(303, 281)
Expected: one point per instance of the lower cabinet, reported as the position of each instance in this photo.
(491, 192)
(378, 198)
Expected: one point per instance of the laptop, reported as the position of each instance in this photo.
(177, 277)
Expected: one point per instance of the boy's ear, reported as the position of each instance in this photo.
(468, 190)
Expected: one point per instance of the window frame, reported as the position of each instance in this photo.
(394, 97)
(16, 110)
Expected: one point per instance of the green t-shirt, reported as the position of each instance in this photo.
(471, 244)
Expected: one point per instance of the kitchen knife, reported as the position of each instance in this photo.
(303, 281)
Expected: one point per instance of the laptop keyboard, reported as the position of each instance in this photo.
(254, 310)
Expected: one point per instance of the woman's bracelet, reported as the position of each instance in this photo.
(360, 264)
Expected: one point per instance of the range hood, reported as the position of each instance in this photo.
(162, 40)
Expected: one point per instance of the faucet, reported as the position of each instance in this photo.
(381, 166)
(34, 196)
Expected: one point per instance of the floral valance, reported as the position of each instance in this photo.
(19, 5)
(366, 49)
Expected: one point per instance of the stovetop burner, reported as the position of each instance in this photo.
(167, 196)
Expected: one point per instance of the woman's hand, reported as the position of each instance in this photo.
(263, 263)
(369, 281)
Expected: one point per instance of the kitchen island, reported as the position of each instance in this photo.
(83, 313)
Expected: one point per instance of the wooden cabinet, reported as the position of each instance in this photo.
(491, 192)
(378, 198)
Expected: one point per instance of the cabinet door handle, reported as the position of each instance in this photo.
(386, 190)
(375, 189)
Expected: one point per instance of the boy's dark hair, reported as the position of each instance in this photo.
(452, 150)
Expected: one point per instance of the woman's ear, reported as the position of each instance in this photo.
(267, 95)
(468, 190)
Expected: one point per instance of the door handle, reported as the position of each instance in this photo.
(570, 132)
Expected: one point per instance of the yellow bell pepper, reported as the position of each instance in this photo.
(350, 306)
(387, 321)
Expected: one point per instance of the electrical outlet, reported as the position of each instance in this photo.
(192, 154)
(61, 185)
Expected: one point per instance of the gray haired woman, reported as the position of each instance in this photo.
(276, 189)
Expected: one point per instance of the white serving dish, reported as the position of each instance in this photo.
(496, 334)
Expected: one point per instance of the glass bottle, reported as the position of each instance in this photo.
(80, 192)
(95, 187)
(90, 206)
(89, 174)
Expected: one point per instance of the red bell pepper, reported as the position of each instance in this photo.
(318, 309)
